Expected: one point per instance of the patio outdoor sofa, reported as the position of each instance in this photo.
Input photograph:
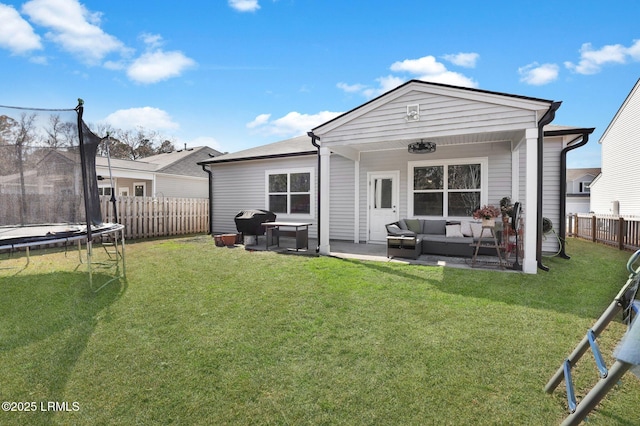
(412, 237)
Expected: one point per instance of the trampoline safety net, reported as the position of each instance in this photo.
(47, 168)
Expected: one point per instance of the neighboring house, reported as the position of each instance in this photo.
(173, 174)
(616, 190)
(578, 189)
(354, 174)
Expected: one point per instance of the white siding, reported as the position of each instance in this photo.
(499, 165)
(241, 186)
(342, 202)
(620, 166)
(439, 116)
(551, 190)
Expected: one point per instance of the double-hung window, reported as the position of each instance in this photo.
(452, 188)
(289, 192)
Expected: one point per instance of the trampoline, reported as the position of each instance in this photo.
(48, 183)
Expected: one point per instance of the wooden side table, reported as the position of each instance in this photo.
(492, 243)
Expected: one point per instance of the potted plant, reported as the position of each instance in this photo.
(488, 215)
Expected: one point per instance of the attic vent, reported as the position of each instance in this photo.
(413, 113)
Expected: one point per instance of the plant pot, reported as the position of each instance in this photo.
(228, 239)
(489, 222)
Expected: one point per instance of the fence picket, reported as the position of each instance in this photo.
(618, 231)
(145, 217)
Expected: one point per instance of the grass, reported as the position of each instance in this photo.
(207, 335)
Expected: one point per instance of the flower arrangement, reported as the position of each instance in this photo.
(487, 212)
(506, 207)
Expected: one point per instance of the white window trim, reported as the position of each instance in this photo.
(105, 186)
(312, 191)
(484, 181)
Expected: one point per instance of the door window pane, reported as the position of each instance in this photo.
(383, 193)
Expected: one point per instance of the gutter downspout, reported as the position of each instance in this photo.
(210, 173)
(546, 119)
(315, 138)
(563, 182)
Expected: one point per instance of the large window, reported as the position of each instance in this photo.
(447, 189)
(289, 192)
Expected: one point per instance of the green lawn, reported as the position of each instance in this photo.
(216, 336)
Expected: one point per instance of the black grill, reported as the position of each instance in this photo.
(249, 222)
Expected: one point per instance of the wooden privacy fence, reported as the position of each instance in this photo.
(622, 232)
(146, 217)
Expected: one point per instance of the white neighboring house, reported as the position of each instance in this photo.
(173, 174)
(617, 189)
(352, 175)
(578, 189)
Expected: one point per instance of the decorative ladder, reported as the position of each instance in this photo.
(624, 301)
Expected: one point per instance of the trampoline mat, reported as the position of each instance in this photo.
(21, 236)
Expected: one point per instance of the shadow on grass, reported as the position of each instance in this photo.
(46, 321)
(577, 287)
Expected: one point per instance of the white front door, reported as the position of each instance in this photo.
(382, 202)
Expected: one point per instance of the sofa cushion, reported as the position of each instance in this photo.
(444, 239)
(402, 224)
(394, 230)
(465, 228)
(413, 225)
(453, 231)
(437, 227)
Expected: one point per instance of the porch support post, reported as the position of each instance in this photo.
(325, 171)
(530, 264)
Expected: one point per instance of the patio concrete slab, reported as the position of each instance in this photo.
(378, 253)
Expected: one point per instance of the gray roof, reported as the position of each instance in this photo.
(573, 174)
(182, 162)
(300, 145)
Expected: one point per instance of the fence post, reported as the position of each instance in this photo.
(621, 233)
(593, 229)
(575, 224)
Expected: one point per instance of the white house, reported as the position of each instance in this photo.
(616, 190)
(579, 190)
(173, 174)
(335, 177)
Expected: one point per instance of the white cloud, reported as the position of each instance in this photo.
(145, 117)
(292, 124)
(259, 121)
(592, 60)
(538, 75)
(426, 68)
(467, 60)
(153, 67)
(244, 5)
(16, 34)
(73, 28)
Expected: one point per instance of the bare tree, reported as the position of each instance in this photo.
(60, 133)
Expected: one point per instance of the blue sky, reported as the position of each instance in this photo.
(240, 73)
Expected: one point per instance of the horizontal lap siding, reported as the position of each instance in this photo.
(439, 115)
(620, 167)
(551, 190)
(241, 186)
(499, 157)
(342, 214)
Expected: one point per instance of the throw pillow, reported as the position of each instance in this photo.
(402, 224)
(393, 229)
(454, 231)
(465, 228)
(413, 225)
